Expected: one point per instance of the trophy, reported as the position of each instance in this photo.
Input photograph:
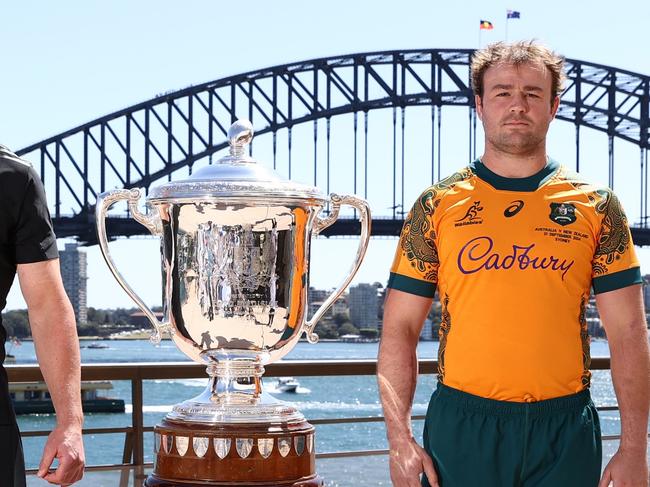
(235, 246)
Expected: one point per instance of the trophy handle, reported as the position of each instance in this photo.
(321, 224)
(151, 222)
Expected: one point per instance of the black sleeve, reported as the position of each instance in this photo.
(35, 240)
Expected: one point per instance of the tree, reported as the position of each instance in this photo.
(97, 315)
(326, 330)
(90, 329)
(16, 323)
(348, 329)
(370, 333)
(341, 318)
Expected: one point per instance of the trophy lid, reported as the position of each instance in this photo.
(235, 175)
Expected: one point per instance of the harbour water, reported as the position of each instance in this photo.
(317, 397)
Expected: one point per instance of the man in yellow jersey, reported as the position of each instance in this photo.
(513, 243)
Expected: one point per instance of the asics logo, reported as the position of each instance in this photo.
(514, 208)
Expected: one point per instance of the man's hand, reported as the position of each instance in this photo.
(407, 461)
(52, 321)
(397, 370)
(623, 317)
(66, 445)
(626, 469)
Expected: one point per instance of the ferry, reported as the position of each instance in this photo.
(34, 398)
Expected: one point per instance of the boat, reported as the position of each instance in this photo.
(10, 358)
(287, 384)
(97, 345)
(34, 398)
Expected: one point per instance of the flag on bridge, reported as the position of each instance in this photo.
(486, 25)
(513, 14)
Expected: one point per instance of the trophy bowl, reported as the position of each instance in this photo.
(235, 249)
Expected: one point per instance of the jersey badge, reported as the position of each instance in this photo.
(563, 213)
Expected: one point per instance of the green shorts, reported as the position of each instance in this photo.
(482, 442)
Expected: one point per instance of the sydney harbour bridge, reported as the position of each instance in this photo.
(386, 110)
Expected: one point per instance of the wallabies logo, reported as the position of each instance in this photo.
(472, 217)
(563, 213)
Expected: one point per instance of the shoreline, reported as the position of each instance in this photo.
(146, 336)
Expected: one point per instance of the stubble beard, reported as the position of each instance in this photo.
(516, 144)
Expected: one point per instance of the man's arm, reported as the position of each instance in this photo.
(397, 371)
(54, 330)
(623, 317)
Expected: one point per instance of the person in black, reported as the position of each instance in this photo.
(28, 248)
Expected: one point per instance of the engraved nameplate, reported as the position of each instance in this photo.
(265, 446)
(200, 446)
(222, 447)
(299, 444)
(284, 446)
(244, 446)
(182, 442)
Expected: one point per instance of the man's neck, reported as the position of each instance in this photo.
(514, 165)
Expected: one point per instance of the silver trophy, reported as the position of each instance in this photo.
(235, 247)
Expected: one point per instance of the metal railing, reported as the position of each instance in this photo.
(136, 373)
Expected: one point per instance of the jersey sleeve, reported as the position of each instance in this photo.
(35, 240)
(415, 266)
(615, 264)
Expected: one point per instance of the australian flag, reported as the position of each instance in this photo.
(513, 14)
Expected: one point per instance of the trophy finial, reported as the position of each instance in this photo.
(240, 134)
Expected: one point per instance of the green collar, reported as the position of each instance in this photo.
(528, 184)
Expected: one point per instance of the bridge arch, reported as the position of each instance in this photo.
(150, 141)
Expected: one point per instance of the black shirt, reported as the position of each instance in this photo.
(26, 233)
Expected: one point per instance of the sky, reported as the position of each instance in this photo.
(68, 62)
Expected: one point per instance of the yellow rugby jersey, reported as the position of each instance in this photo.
(513, 261)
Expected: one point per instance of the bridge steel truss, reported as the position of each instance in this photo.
(149, 142)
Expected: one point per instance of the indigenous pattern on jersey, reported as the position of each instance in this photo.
(513, 261)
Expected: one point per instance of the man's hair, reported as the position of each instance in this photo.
(518, 53)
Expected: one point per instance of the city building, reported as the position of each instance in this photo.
(363, 301)
(74, 273)
(316, 297)
(340, 306)
(138, 319)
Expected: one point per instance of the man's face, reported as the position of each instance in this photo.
(516, 107)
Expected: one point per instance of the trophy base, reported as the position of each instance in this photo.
(220, 454)
(316, 481)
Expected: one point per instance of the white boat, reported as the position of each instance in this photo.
(10, 358)
(287, 384)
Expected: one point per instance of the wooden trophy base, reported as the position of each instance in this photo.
(264, 455)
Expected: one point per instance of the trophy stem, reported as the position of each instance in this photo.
(236, 382)
(234, 395)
